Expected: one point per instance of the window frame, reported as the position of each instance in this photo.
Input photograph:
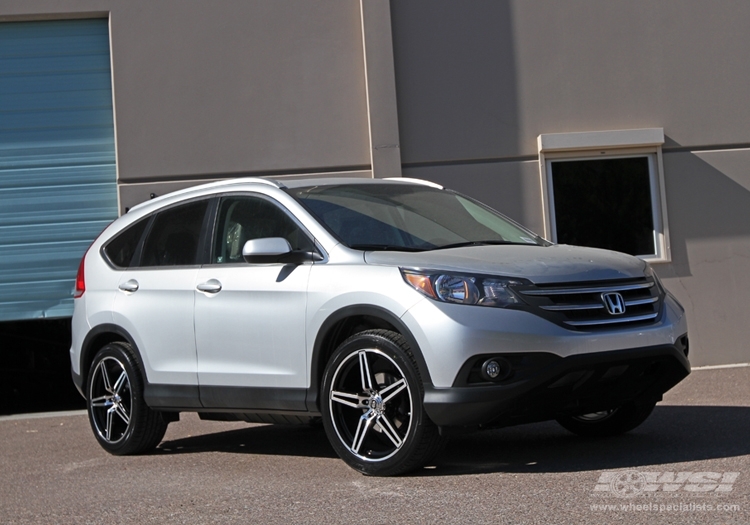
(605, 145)
(215, 220)
(150, 219)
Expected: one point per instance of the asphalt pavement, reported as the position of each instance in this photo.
(688, 463)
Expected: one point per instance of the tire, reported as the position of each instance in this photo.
(609, 422)
(122, 422)
(372, 406)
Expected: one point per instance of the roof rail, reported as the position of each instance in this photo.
(417, 181)
(209, 185)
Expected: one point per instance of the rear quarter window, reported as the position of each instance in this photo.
(120, 250)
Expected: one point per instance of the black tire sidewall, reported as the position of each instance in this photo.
(626, 418)
(394, 464)
(123, 354)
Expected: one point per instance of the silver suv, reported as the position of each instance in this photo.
(396, 311)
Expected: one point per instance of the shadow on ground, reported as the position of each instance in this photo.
(672, 434)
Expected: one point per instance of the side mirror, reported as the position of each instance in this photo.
(271, 250)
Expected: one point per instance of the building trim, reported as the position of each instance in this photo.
(380, 88)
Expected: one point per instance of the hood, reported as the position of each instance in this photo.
(558, 263)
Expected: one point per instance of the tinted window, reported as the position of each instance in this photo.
(121, 249)
(174, 237)
(245, 218)
(407, 217)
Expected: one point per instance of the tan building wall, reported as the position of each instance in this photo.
(455, 92)
(478, 82)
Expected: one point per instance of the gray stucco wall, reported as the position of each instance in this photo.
(478, 82)
(226, 87)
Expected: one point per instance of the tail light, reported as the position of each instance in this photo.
(80, 278)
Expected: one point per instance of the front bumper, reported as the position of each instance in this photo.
(574, 385)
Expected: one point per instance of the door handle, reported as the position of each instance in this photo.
(129, 286)
(210, 286)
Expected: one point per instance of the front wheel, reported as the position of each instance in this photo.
(122, 422)
(372, 406)
(608, 422)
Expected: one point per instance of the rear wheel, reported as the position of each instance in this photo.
(608, 422)
(121, 420)
(372, 406)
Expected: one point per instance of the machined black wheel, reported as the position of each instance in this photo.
(608, 422)
(372, 406)
(121, 420)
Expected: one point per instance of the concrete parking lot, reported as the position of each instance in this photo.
(689, 463)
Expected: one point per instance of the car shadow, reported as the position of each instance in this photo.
(673, 434)
(276, 440)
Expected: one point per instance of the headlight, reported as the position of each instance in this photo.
(463, 289)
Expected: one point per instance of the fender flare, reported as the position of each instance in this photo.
(88, 348)
(354, 311)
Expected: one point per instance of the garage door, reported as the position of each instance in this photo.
(57, 159)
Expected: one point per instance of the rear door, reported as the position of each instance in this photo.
(155, 299)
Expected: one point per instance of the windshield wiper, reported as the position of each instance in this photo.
(481, 243)
(385, 248)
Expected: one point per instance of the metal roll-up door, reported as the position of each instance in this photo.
(57, 159)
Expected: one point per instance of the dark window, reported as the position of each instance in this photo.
(174, 237)
(242, 219)
(121, 249)
(605, 203)
(406, 217)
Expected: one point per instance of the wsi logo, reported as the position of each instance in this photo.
(630, 483)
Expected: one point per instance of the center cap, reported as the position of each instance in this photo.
(376, 403)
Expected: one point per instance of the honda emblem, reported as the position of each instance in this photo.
(614, 303)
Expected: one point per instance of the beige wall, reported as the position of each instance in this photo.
(212, 89)
(479, 81)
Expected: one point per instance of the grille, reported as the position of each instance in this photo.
(597, 305)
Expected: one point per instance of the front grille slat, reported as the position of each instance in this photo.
(591, 289)
(584, 305)
(567, 307)
(641, 301)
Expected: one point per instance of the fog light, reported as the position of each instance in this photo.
(496, 369)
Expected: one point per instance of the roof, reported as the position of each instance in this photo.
(290, 183)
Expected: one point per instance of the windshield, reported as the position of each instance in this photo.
(407, 217)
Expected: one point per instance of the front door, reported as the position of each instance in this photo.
(250, 319)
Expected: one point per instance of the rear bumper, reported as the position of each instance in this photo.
(577, 384)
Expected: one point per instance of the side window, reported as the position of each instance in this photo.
(242, 219)
(121, 249)
(173, 239)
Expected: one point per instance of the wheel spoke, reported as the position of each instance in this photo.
(363, 426)
(391, 391)
(350, 400)
(108, 430)
(364, 370)
(389, 431)
(101, 401)
(120, 411)
(105, 378)
(120, 382)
